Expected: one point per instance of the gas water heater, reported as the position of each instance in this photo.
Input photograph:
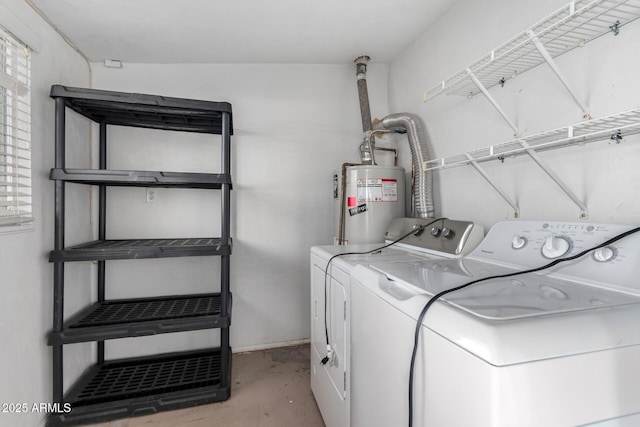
(372, 196)
(368, 196)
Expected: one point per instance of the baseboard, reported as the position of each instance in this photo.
(248, 348)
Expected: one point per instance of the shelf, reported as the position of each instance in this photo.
(141, 178)
(146, 111)
(614, 127)
(572, 26)
(142, 385)
(145, 385)
(143, 316)
(101, 250)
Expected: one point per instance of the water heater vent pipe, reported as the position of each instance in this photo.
(367, 146)
(422, 181)
(363, 93)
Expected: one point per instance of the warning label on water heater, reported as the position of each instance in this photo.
(377, 190)
(358, 210)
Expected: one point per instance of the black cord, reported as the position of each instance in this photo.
(326, 274)
(499, 276)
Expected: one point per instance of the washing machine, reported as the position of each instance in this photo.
(556, 347)
(425, 240)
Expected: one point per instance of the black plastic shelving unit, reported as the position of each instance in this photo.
(142, 385)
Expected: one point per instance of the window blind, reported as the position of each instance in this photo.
(15, 133)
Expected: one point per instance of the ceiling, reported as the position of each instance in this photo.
(242, 31)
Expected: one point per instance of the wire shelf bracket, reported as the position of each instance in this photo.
(536, 158)
(556, 70)
(613, 128)
(481, 171)
(493, 102)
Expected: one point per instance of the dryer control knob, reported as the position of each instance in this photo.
(518, 242)
(435, 231)
(447, 233)
(555, 247)
(603, 254)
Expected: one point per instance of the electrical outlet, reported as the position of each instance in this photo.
(152, 195)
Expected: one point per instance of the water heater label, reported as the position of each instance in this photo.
(357, 210)
(377, 190)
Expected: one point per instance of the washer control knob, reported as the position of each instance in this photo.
(555, 247)
(447, 233)
(435, 231)
(603, 254)
(518, 242)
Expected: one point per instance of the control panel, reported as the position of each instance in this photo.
(530, 244)
(443, 237)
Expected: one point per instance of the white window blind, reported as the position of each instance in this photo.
(15, 133)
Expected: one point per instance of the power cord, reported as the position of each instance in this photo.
(500, 276)
(416, 230)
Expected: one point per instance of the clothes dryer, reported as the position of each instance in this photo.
(331, 381)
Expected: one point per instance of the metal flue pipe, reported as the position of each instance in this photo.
(367, 146)
(363, 93)
(422, 181)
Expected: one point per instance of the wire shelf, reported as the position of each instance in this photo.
(572, 26)
(613, 127)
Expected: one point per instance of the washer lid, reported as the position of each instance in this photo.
(435, 275)
(520, 296)
(515, 320)
(533, 295)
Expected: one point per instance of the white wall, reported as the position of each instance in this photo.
(27, 277)
(604, 73)
(293, 125)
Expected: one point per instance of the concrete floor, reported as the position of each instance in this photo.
(270, 388)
